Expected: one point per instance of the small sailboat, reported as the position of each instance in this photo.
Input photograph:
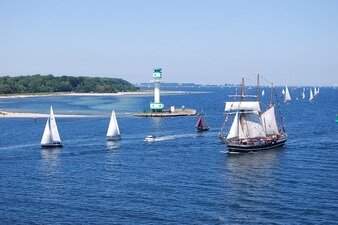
(263, 93)
(303, 95)
(311, 95)
(51, 137)
(287, 96)
(252, 130)
(200, 126)
(113, 133)
(315, 91)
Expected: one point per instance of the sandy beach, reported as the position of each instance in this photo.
(150, 92)
(5, 114)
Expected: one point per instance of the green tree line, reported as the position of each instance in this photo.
(49, 83)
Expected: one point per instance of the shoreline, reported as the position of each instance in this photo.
(6, 114)
(150, 92)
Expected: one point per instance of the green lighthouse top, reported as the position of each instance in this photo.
(157, 73)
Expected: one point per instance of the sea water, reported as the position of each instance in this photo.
(184, 178)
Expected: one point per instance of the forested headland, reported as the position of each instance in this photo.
(49, 83)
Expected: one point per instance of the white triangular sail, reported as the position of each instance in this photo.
(283, 92)
(315, 92)
(233, 132)
(51, 133)
(46, 137)
(250, 126)
(303, 95)
(263, 93)
(269, 121)
(113, 128)
(287, 96)
(311, 95)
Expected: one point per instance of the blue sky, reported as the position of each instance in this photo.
(208, 42)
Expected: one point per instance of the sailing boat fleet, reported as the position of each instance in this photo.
(252, 129)
(51, 137)
(287, 97)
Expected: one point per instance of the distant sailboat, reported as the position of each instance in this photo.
(51, 137)
(200, 126)
(311, 95)
(113, 132)
(316, 91)
(303, 95)
(263, 93)
(287, 96)
(283, 92)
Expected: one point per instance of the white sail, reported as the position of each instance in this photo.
(263, 93)
(46, 137)
(303, 95)
(233, 132)
(287, 96)
(311, 95)
(113, 128)
(250, 126)
(51, 133)
(254, 106)
(283, 92)
(269, 121)
(53, 128)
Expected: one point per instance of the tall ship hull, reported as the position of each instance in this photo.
(254, 145)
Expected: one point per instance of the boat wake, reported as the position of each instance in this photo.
(169, 137)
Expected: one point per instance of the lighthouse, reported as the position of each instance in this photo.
(157, 106)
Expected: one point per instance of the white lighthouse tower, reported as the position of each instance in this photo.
(157, 106)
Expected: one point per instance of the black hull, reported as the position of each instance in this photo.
(117, 138)
(51, 146)
(241, 148)
(202, 129)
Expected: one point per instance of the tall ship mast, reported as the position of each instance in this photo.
(252, 129)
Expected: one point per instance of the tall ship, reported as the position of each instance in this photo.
(252, 129)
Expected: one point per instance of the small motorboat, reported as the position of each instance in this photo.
(150, 138)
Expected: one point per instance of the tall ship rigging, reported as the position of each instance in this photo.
(252, 129)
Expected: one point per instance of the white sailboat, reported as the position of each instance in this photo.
(311, 95)
(263, 93)
(316, 91)
(113, 132)
(287, 96)
(303, 94)
(51, 137)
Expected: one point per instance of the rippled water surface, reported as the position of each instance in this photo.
(184, 178)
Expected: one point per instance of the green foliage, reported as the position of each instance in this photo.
(38, 83)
